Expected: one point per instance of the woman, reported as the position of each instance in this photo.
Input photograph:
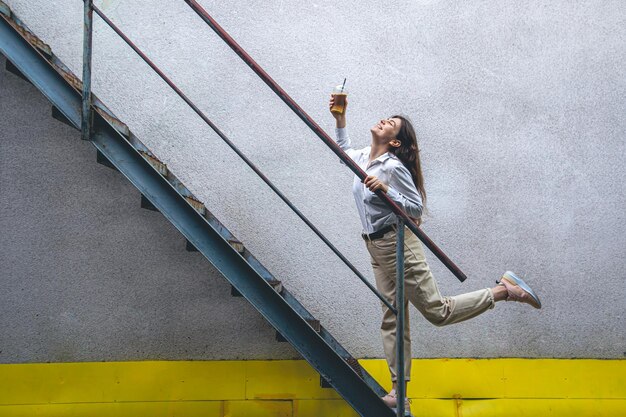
(392, 164)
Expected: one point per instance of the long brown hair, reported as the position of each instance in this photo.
(409, 154)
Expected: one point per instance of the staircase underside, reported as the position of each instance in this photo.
(118, 148)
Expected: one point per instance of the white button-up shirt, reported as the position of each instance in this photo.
(373, 212)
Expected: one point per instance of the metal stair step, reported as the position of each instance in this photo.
(156, 164)
(276, 284)
(56, 114)
(147, 204)
(72, 79)
(198, 205)
(119, 126)
(189, 247)
(103, 160)
(15, 71)
(30, 37)
(354, 364)
(237, 245)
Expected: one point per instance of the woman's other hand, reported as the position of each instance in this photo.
(373, 183)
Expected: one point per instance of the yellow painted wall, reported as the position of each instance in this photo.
(439, 387)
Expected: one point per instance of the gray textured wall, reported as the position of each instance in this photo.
(89, 275)
(519, 108)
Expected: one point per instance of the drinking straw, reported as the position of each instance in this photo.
(342, 85)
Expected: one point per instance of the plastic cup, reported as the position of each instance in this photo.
(340, 94)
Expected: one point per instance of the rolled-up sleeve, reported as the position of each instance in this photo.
(403, 192)
(343, 140)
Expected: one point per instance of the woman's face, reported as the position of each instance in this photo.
(386, 129)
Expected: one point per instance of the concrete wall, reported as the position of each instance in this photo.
(88, 275)
(519, 110)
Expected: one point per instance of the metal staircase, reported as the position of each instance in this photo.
(117, 147)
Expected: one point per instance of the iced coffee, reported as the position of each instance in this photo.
(339, 94)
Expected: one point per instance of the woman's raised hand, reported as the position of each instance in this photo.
(339, 117)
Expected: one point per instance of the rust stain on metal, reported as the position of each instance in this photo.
(237, 245)
(354, 364)
(4, 9)
(158, 165)
(64, 72)
(315, 324)
(198, 205)
(69, 77)
(277, 285)
(119, 125)
(45, 49)
(30, 36)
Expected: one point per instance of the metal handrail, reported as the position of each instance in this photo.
(402, 217)
(87, 52)
(324, 136)
(400, 378)
(85, 124)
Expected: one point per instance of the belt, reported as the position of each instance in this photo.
(378, 234)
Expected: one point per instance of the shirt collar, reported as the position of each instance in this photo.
(382, 158)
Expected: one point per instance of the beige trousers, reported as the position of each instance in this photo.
(421, 290)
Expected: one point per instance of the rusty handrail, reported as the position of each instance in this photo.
(243, 157)
(323, 136)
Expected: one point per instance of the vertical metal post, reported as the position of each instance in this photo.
(87, 32)
(400, 394)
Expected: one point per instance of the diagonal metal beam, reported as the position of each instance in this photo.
(248, 162)
(226, 259)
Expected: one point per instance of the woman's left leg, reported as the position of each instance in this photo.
(383, 256)
(423, 293)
